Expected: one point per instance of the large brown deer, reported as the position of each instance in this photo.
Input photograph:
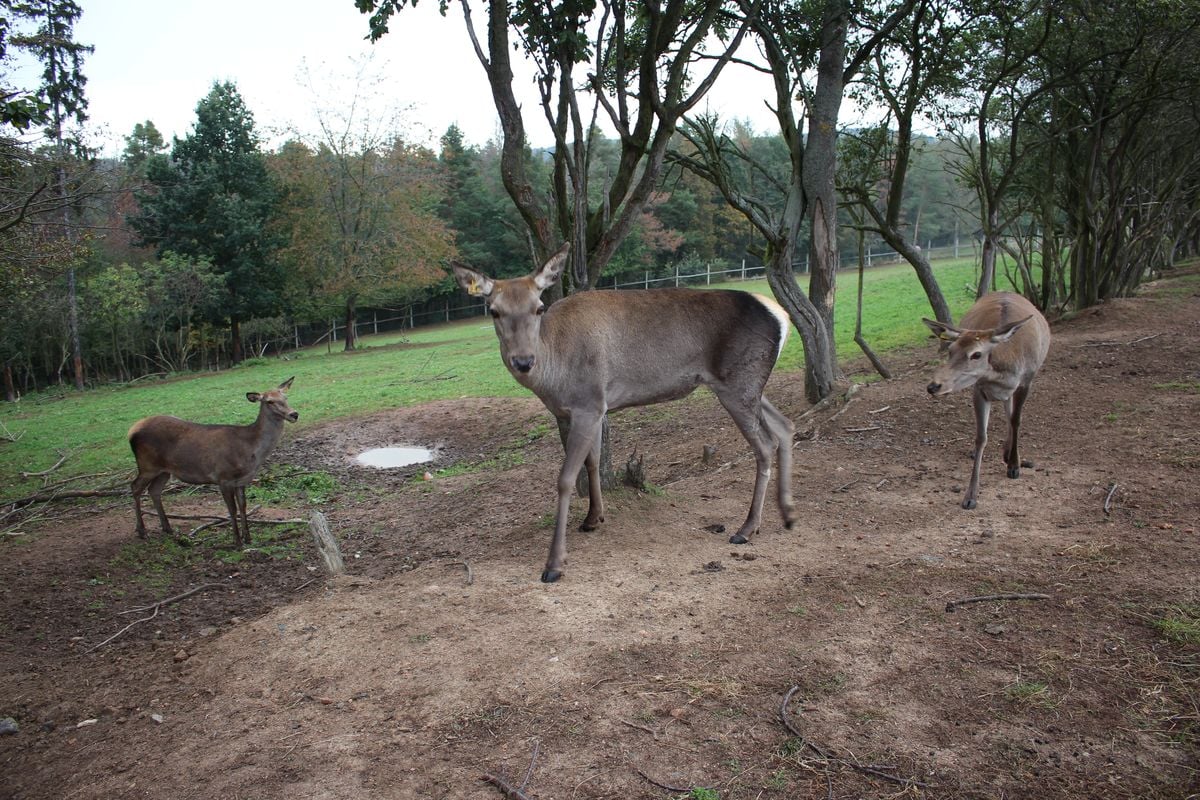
(998, 348)
(226, 455)
(599, 351)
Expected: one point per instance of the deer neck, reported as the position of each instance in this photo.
(264, 434)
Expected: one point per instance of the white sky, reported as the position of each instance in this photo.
(155, 60)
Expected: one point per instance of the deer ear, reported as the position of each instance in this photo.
(942, 330)
(473, 283)
(1003, 334)
(283, 387)
(552, 270)
(253, 397)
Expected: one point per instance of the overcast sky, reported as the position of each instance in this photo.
(155, 60)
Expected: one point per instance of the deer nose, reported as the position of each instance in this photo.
(522, 363)
(933, 388)
(295, 415)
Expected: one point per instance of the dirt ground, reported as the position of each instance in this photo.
(663, 657)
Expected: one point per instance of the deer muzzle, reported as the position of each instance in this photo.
(522, 363)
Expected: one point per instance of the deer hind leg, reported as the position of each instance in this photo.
(585, 432)
(782, 431)
(1013, 407)
(155, 490)
(748, 415)
(229, 495)
(595, 513)
(137, 486)
(983, 410)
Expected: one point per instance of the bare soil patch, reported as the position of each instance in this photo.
(664, 654)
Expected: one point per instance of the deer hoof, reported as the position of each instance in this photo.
(551, 575)
(737, 538)
(591, 524)
(969, 503)
(1014, 472)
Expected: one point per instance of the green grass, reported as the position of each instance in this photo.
(1181, 625)
(459, 359)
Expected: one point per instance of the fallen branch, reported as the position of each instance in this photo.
(506, 788)
(1108, 499)
(863, 430)
(950, 606)
(685, 789)
(50, 497)
(9, 436)
(46, 472)
(168, 601)
(127, 627)
(537, 745)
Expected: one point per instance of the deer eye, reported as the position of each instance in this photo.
(976, 355)
(540, 310)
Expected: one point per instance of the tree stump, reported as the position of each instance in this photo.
(327, 546)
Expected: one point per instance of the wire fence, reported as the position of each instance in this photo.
(448, 309)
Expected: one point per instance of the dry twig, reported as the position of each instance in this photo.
(866, 769)
(1108, 499)
(950, 606)
(667, 787)
(168, 601)
(1120, 344)
(506, 788)
(45, 472)
(464, 563)
(127, 627)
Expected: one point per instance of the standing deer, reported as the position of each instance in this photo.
(1001, 344)
(226, 455)
(599, 351)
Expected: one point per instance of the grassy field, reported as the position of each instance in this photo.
(459, 359)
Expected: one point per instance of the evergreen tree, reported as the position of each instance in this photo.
(212, 199)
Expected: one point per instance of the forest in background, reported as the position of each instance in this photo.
(1063, 147)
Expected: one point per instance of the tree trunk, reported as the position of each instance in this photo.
(920, 264)
(351, 322)
(818, 345)
(73, 329)
(235, 334)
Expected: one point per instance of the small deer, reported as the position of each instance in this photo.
(599, 351)
(226, 455)
(998, 348)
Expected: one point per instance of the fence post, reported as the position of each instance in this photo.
(708, 273)
(376, 323)
(447, 311)
(646, 279)
(332, 330)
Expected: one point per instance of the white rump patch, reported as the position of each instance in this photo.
(785, 322)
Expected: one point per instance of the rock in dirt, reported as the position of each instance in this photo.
(8, 726)
(181, 656)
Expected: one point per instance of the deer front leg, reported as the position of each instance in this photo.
(585, 431)
(1013, 406)
(983, 410)
(595, 513)
(240, 497)
(229, 495)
